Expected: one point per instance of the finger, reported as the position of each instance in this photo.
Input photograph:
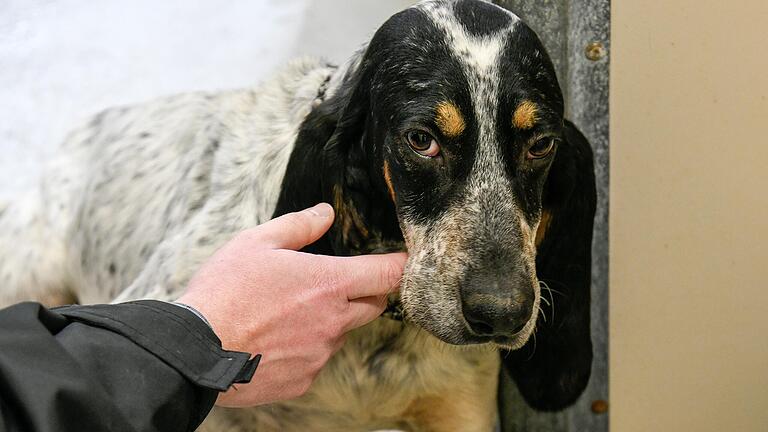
(371, 275)
(295, 230)
(364, 310)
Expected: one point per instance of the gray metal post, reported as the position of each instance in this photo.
(577, 36)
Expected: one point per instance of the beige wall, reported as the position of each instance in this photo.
(689, 216)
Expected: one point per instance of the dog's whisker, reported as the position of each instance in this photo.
(543, 285)
(552, 290)
(533, 351)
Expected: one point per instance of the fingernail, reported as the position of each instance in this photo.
(322, 210)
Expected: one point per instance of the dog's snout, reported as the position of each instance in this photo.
(497, 307)
(495, 317)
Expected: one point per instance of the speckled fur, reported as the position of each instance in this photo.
(443, 250)
(141, 195)
(382, 379)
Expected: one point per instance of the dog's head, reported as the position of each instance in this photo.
(448, 133)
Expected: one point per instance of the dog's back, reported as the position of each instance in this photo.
(139, 195)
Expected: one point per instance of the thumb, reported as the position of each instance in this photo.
(295, 230)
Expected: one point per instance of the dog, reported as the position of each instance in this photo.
(443, 136)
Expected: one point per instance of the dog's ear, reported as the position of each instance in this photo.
(350, 163)
(553, 368)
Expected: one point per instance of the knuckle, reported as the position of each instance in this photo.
(390, 274)
(334, 279)
(328, 278)
(302, 222)
(256, 238)
(295, 220)
(295, 224)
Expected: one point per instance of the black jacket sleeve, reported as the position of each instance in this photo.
(140, 366)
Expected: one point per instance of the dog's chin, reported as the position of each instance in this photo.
(513, 342)
(455, 332)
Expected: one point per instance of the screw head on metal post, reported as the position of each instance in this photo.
(599, 406)
(594, 51)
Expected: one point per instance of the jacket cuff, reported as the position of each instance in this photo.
(174, 335)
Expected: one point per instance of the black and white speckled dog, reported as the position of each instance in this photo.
(444, 135)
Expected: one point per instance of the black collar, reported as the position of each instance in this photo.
(394, 310)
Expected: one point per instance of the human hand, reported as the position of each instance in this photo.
(294, 308)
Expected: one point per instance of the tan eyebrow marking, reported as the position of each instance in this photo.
(541, 231)
(449, 119)
(388, 181)
(525, 115)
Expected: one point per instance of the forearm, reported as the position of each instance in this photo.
(143, 366)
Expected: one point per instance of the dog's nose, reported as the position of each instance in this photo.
(497, 309)
(488, 318)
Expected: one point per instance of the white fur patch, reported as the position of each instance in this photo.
(479, 57)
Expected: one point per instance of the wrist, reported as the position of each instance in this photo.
(194, 311)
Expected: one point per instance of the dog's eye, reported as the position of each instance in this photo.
(422, 143)
(542, 148)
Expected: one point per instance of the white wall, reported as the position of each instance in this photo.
(63, 60)
(689, 216)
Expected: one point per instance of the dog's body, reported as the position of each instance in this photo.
(140, 196)
(222, 157)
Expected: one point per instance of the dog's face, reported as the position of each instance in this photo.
(466, 120)
(446, 134)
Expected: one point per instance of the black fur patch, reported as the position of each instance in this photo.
(552, 372)
(480, 18)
